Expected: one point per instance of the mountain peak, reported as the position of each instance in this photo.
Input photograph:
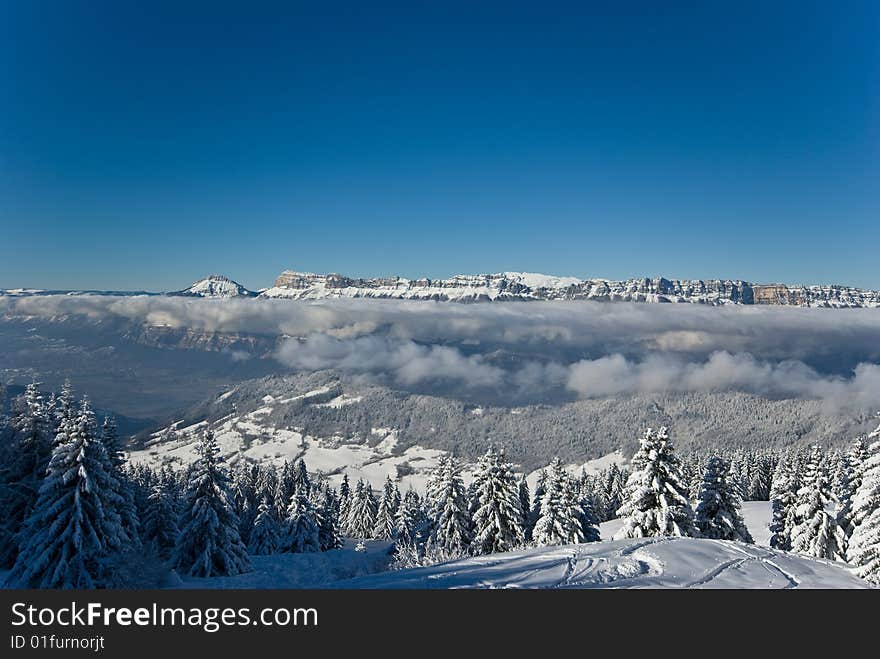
(216, 286)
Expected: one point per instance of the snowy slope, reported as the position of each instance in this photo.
(641, 563)
(216, 286)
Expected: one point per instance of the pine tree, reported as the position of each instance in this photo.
(24, 468)
(385, 527)
(864, 546)
(160, 522)
(558, 520)
(265, 535)
(447, 498)
(301, 477)
(362, 512)
(301, 533)
(411, 520)
(816, 532)
(129, 510)
(849, 484)
(344, 503)
(209, 543)
(718, 515)
(327, 510)
(525, 502)
(75, 525)
(783, 495)
(497, 525)
(656, 501)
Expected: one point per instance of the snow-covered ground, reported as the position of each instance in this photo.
(311, 570)
(640, 563)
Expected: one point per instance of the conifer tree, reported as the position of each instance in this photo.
(816, 532)
(719, 511)
(849, 484)
(75, 525)
(265, 535)
(411, 520)
(385, 527)
(302, 533)
(525, 502)
(327, 510)
(209, 543)
(783, 495)
(160, 522)
(864, 546)
(362, 512)
(656, 500)
(497, 519)
(451, 534)
(24, 468)
(558, 520)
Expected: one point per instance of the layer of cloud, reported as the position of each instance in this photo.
(592, 349)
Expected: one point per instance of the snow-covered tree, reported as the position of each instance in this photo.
(75, 525)
(23, 468)
(159, 527)
(301, 478)
(362, 511)
(344, 503)
(848, 483)
(719, 511)
(864, 545)
(327, 510)
(265, 535)
(559, 517)
(656, 500)
(816, 532)
(451, 534)
(525, 503)
(301, 534)
(497, 518)
(783, 495)
(385, 527)
(209, 543)
(411, 520)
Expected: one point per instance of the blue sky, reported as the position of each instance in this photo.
(143, 145)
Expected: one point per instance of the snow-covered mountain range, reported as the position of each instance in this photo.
(517, 286)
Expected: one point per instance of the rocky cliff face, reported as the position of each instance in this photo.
(528, 286)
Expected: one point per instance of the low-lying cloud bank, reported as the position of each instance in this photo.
(589, 349)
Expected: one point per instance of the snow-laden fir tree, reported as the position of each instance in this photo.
(447, 498)
(656, 500)
(301, 533)
(864, 545)
(385, 527)
(327, 511)
(129, 511)
(559, 516)
(582, 504)
(159, 527)
(411, 520)
(815, 532)
(265, 534)
(783, 497)
(209, 543)
(719, 511)
(244, 500)
(75, 525)
(301, 478)
(23, 468)
(849, 483)
(534, 508)
(344, 503)
(525, 502)
(362, 512)
(497, 518)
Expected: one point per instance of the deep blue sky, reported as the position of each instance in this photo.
(143, 145)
